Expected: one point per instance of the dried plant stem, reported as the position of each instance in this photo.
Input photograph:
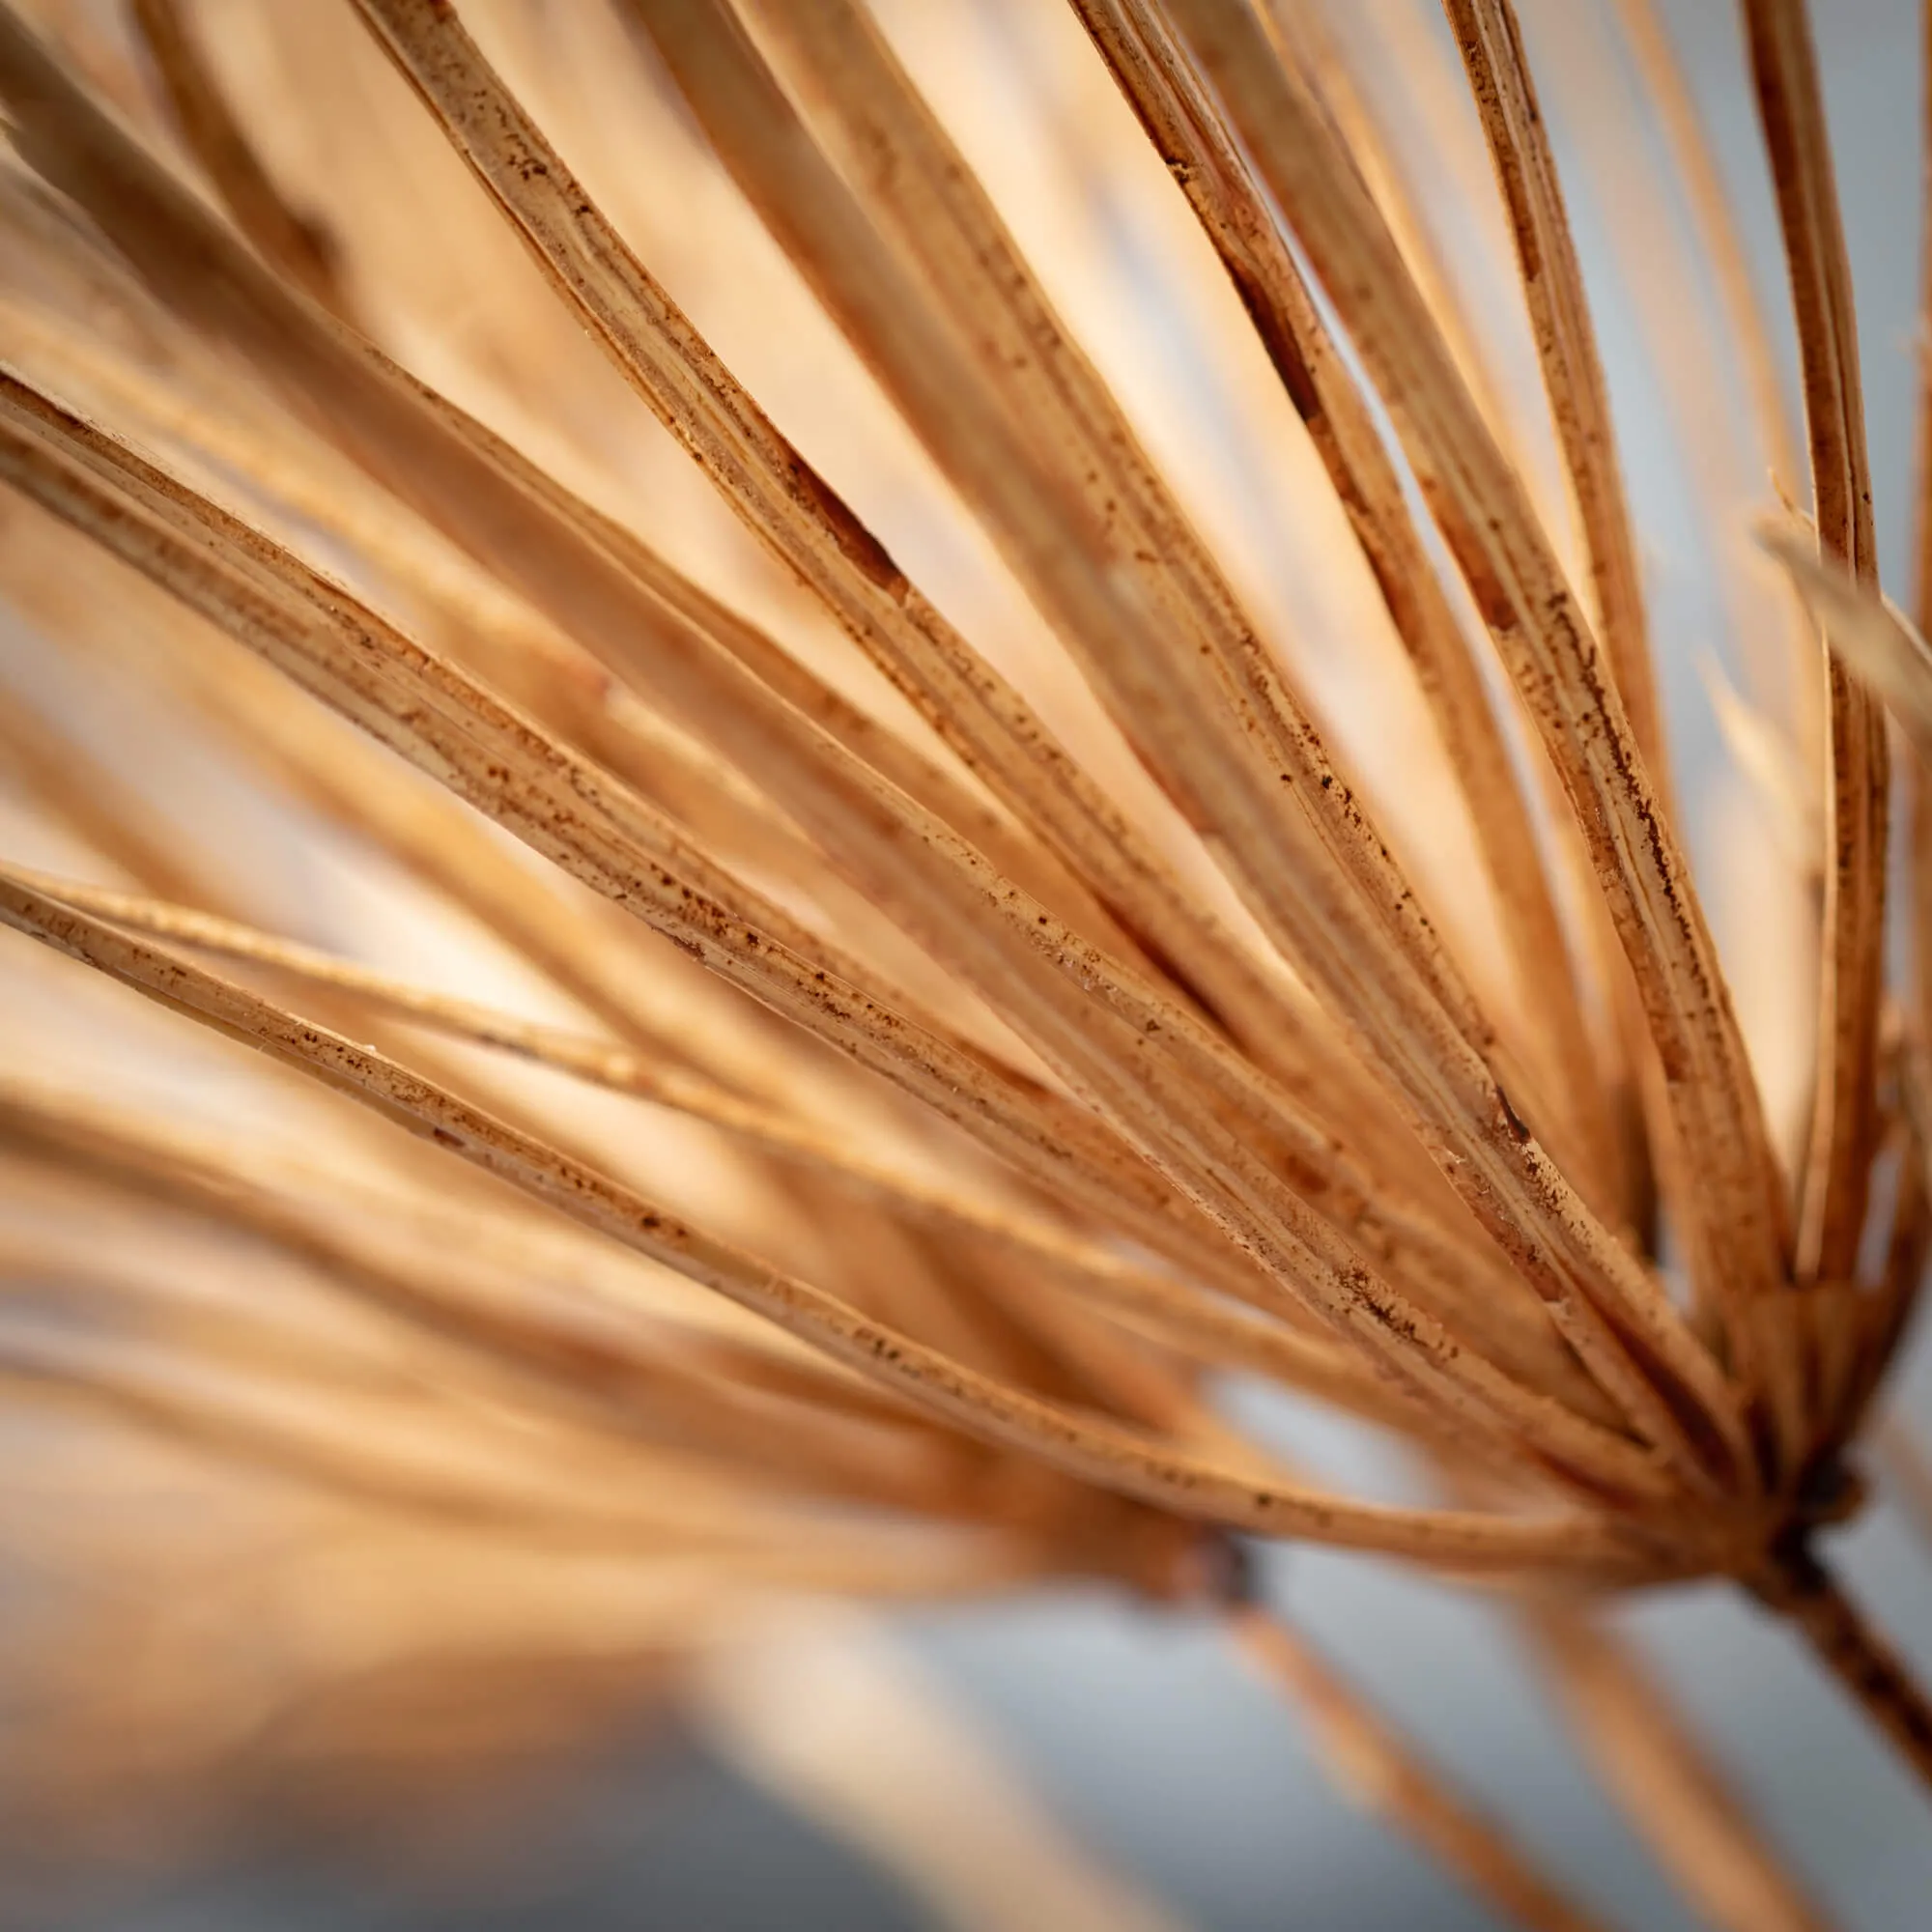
(1903, 1281)
(1506, 558)
(930, 205)
(1866, 632)
(458, 477)
(1226, 1336)
(1218, 730)
(626, 1378)
(1127, 1461)
(1013, 1085)
(539, 669)
(812, 530)
(702, 403)
(1919, 876)
(428, 711)
(1566, 343)
(1672, 1793)
(818, 984)
(691, 389)
(1718, 235)
(216, 140)
(345, 1456)
(1384, 1773)
(1746, 326)
(1329, 69)
(566, 563)
(434, 1459)
(1845, 1121)
(1876, 1677)
(1577, 396)
(1210, 172)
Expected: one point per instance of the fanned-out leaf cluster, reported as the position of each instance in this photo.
(817, 757)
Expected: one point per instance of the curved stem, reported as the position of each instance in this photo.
(1870, 1671)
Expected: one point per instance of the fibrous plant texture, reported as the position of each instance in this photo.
(768, 808)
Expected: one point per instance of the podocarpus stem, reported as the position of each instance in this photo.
(1802, 1589)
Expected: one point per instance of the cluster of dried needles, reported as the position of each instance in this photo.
(1131, 961)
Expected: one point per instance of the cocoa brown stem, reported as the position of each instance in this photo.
(1871, 1672)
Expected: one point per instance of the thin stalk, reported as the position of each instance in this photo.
(1375, 141)
(1372, 1763)
(1576, 391)
(1127, 1461)
(1844, 1122)
(677, 374)
(933, 213)
(1223, 737)
(1487, 519)
(209, 128)
(1208, 167)
(1719, 235)
(463, 480)
(1746, 326)
(629, 1380)
(454, 729)
(1868, 1669)
(1566, 344)
(813, 531)
(1219, 1334)
(1919, 877)
(1674, 1795)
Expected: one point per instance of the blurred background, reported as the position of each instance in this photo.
(1141, 1731)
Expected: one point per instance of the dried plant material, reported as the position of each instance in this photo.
(852, 1732)
(1864, 1663)
(1742, 337)
(1334, 922)
(1326, 397)
(1763, 756)
(1672, 1794)
(599, 1036)
(1717, 229)
(1513, 575)
(1090, 1449)
(1573, 372)
(1790, 104)
(223, 152)
(1874, 640)
(1226, 1336)
(1382, 1773)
